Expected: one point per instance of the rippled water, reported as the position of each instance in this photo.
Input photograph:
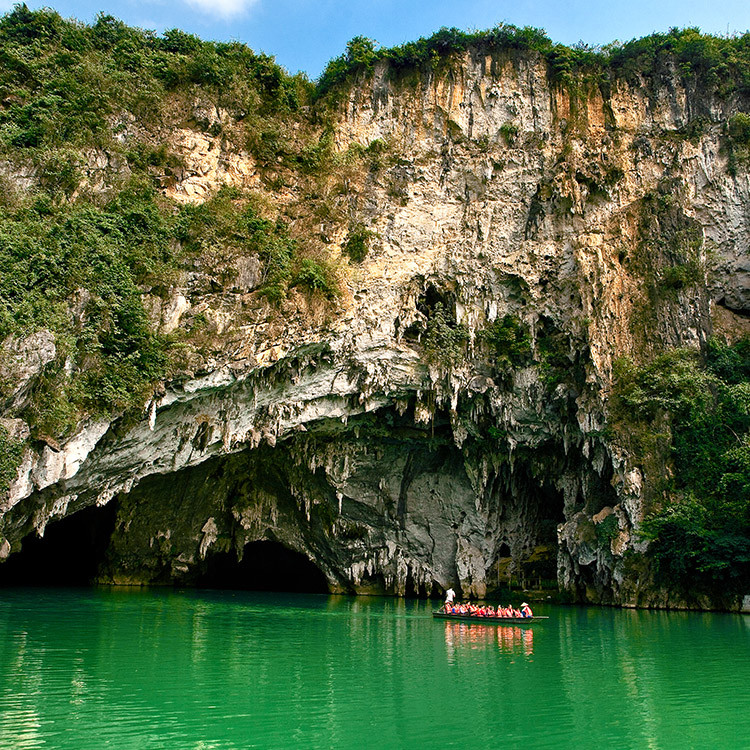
(101, 668)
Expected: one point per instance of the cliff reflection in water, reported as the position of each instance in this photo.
(509, 640)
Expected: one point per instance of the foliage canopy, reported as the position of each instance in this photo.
(719, 63)
(700, 528)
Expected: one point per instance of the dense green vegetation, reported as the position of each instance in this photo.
(357, 243)
(65, 83)
(11, 452)
(509, 341)
(444, 340)
(719, 63)
(696, 414)
(103, 257)
(78, 261)
(738, 141)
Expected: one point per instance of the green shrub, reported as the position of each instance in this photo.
(509, 132)
(66, 79)
(681, 275)
(318, 157)
(718, 64)
(444, 341)
(427, 52)
(357, 243)
(729, 363)
(607, 530)
(509, 340)
(738, 128)
(11, 453)
(692, 551)
(559, 360)
(143, 155)
(316, 276)
(738, 141)
(104, 256)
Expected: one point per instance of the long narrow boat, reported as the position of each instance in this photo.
(489, 620)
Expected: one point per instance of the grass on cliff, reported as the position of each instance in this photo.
(688, 420)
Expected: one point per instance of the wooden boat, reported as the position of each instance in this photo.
(440, 615)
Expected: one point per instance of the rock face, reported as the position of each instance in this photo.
(353, 437)
(22, 360)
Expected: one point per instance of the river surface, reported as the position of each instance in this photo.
(200, 670)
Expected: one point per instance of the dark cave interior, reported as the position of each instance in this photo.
(265, 566)
(69, 554)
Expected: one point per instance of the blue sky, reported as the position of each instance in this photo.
(305, 34)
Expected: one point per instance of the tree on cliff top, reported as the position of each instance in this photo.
(720, 64)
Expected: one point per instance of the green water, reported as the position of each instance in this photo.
(90, 669)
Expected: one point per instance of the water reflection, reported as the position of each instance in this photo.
(509, 639)
(663, 669)
(133, 670)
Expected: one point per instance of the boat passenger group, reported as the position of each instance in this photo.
(456, 608)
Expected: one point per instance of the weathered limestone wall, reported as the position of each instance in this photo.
(332, 432)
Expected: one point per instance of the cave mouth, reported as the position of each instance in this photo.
(70, 553)
(265, 566)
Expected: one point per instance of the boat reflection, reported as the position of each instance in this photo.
(510, 640)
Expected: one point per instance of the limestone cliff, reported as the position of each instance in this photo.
(354, 431)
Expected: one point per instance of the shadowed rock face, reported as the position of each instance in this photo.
(394, 468)
(379, 505)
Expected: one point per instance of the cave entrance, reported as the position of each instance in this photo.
(265, 566)
(69, 554)
(538, 567)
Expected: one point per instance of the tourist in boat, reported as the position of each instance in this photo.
(467, 609)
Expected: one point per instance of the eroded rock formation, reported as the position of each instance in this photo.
(396, 468)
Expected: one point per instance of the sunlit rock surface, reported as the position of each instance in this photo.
(331, 431)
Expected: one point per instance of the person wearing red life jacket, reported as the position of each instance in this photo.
(526, 610)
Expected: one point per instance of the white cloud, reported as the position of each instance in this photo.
(223, 8)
